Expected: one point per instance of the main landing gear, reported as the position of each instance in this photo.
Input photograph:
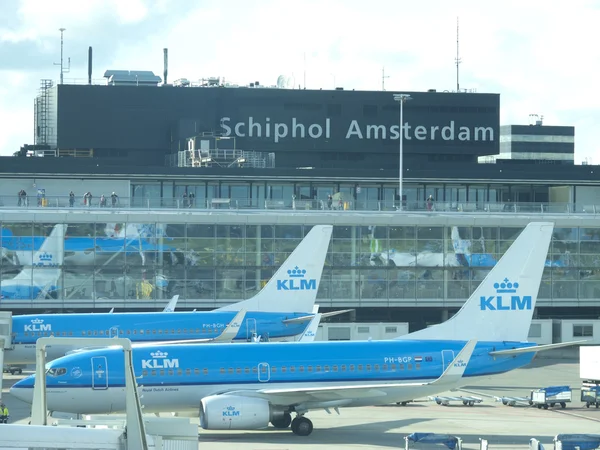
(301, 426)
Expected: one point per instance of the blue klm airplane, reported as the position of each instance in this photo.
(40, 276)
(281, 310)
(79, 250)
(247, 386)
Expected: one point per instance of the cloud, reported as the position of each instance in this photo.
(538, 55)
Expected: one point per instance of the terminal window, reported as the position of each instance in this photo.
(583, 331)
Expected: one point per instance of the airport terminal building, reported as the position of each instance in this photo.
(217, 184)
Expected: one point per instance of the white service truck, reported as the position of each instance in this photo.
(589, 372)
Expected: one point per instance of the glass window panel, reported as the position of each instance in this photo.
(289, 232)
(430, 233)
(230, 231)
(373, 283)
(589, 234)
(230, 283)
(345, 284)
(404, 233)
(200, 230)
(325, 285)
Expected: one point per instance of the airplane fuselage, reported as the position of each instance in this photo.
(176, 378)
(142, 328)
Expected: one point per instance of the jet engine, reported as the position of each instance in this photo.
(233, 412)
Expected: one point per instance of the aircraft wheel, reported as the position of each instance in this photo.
(282, 422)
(301, 426)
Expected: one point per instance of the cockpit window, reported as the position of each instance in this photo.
(56, 371)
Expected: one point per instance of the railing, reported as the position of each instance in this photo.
(152, 203)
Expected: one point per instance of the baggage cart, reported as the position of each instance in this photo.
(551, 396)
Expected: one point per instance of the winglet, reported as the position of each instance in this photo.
(501, 308)
(172, 304)
(294, 286)
(311, 330)
(456, 369)
(232, 329)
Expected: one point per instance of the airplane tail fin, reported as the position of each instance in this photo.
(47, 262)
(294, 286)
(501, 308)
(172, 304)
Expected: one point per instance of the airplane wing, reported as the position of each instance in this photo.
(536, 348)
(310, 317)
(319, 397)
(311, 330)
(228, 334)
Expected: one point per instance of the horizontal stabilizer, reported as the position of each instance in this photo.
(535, 348)
(310, 317)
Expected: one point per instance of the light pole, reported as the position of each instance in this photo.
(401, 98)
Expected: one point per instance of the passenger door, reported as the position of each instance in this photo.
(447, 358)
(114, 332)
(99, 373)
(264, 372)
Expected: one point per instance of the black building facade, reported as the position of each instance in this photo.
(321, 129)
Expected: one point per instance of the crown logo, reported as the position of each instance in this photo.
(158, 354)
(37, 321)
(45, 256)
(506, 287)
(296, 272)
(231, 408)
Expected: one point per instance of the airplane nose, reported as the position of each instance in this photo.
(23, 390)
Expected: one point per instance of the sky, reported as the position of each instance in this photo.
(541, 57)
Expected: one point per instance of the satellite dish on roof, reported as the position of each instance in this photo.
(281, 81)
(284, 82)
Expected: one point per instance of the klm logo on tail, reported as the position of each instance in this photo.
(160, 361)
(297, 282)
(511, 302)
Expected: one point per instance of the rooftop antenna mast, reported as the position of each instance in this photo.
(62, 68)
(458, 61)
(304, 70)
(383, 77)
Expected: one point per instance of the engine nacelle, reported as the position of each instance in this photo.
(232, 412)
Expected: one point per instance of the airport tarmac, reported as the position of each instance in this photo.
(504, 427)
